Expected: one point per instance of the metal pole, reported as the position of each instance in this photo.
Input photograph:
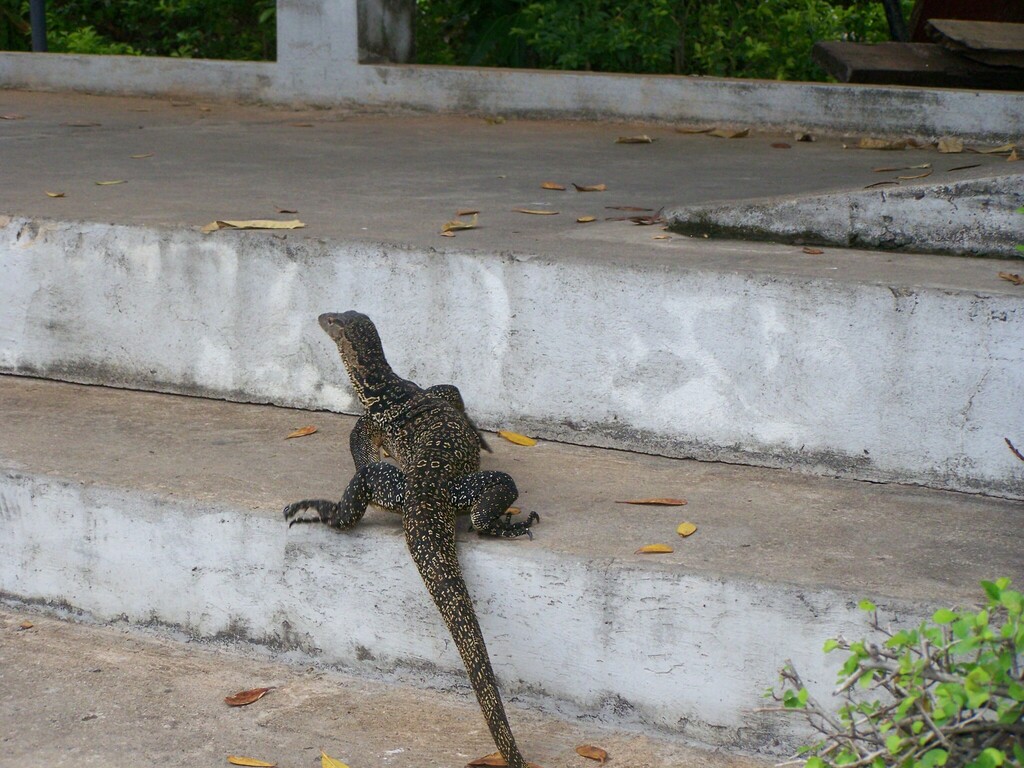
(37, 15)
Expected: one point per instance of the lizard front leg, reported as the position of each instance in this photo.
(487, 497)
(378, 483)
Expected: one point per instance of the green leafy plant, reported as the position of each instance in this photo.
(948, 693)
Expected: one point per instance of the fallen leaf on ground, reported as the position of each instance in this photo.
(781, 145)
(730, 133)
(495, 120)
(552, 185)
(1013, 157)
(12, 116)
(26, 625)
(659, 502)
(643, 138)
(894, 168)
(250, 761)
(950, 145)
(242, 698)
(326, 761)
(213, 226)
(661, 237)
(590, 187)
(301, 432)
(80, 124)
(1013, 277)
(812, 251)
(646, 221)
(1000, 150)
(55, 194)
(654, 549)
(447, 234)
(110, 183)
(915, 176)
(585, 219)
(964, 167)
(693, 130)
(882, 184)
(686, 529)
(515, 437)
(872, 143)
(142, 156)
(301, 125)
(535, 212)
(287, 210)
(626, 208)
(493, 759)
(467, 212)
(455, 225)
(594, 753)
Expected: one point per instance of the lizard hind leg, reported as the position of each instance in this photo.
(379, 483)
(487, 497)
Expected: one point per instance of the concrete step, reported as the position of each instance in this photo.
(74, 694)
(165, 510)
(877, 366)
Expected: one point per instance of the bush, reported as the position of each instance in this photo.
(727, 38)
(948, 693)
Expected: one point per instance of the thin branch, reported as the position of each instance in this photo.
(1016, 453)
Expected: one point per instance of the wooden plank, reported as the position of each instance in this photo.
(920, 64)
(999, 44)
(979, 10)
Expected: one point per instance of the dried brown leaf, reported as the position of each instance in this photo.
(812, 251)
(661, 237)
(627, 208)
(447, 234)
(781, 145)
(301, 432)
(12, 116)
(686, 529)
(585, 219)
(730, 133)
(590, 187)
(654, 549)
(869, 142)
(242, 698)
(646, 221)
(659, 502)
(213, 226)
(594, 753)
(535, 211)
(895, 168)
(964, 167)
(326, 761)
(950, 145)
(552, 185)
(493, 759)
(1013, 277)
(1002, 149)
(643, 138)
(26, 625)
(250, 761)
(494, 120)
(515, 437)
(287, 210)
(142, 156)
(301, 125)
(1013, 156)
(467, 212)
(915, 176)
(882, 184)
(55, 194)
(685, 129)
(110, 183)
(456, 225)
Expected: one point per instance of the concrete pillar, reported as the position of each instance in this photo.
(386, 31)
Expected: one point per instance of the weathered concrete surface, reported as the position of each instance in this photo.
(977, 217)
(152, 508)
(318, 63)
(689, 353)
(78, 695)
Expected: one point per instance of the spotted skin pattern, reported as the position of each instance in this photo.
(436, 476)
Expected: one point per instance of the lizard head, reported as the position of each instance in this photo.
(359, 345)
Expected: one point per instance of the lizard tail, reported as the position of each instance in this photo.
(430, 536)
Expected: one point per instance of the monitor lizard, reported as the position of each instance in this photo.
(436, 476)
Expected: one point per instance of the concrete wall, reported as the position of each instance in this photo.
(664, 649)
(862, 379)
(318, 62)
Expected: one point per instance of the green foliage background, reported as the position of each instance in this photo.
(728, 38)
